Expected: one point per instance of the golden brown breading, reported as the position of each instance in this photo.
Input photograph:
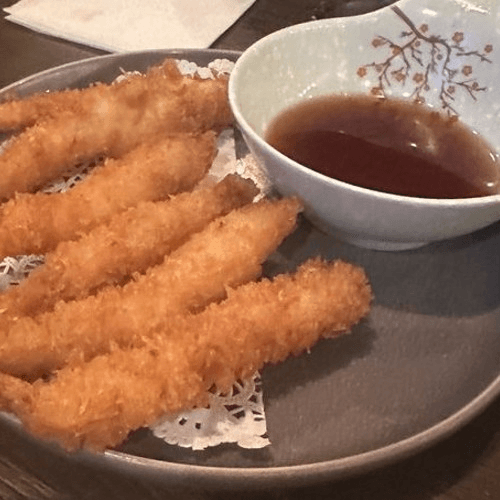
(228, 252)
(132, 241)
(116, 121)
(21, 112)
(96, 404)
(36, 223)
(18, 113)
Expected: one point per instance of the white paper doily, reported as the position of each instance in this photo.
(232, 418)
(237, 417)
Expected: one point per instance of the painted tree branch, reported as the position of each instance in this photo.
(422, 55)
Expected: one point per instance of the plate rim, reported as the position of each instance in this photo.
(174, 53)
(314, 472)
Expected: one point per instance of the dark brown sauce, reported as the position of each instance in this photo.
(388, 145)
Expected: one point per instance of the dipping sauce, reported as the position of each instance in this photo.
(387, 145)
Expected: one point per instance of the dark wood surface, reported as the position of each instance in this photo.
(464, 467)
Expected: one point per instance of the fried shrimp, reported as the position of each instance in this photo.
(22, 112)
(18, 113)
(132, 241)
(36, 223)
(96, 404)
(230, 251)
(113, 123)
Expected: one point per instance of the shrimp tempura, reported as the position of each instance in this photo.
(21, 112)
(36, 223)
(96, 404)
(130, 242)
(116, 121)
(230, 251)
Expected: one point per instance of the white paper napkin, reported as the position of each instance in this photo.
(127, 25)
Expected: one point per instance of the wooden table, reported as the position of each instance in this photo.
(464, 467)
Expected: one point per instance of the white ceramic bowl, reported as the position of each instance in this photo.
(458, 37)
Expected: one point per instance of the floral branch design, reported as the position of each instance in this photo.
(418, 56)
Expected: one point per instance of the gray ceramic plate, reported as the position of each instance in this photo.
(425, 362)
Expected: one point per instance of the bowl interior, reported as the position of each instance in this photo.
(432, 51)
